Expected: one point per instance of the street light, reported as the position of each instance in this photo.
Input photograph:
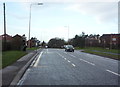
(68, 32)
(30, 21)
(4, 26)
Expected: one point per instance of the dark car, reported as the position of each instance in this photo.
(69, 48)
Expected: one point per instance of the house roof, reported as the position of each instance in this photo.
(17, 36)
(8, 37)
(109, 34)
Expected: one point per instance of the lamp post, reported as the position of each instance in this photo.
(30, 21)
(4, 27)
(68, 32)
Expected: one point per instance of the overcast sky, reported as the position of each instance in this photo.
(53, 18)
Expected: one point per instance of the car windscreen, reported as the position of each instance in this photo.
(70, 46)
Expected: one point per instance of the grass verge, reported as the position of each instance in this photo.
(9, 57)
(103, 54)
(33, 48)
(100, 52)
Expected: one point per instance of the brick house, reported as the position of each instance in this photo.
(32, 41)
(92, 41)
(18, 42)
(110, 40)
(8, 37)
(6, 45)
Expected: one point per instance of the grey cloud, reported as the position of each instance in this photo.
(103, 11)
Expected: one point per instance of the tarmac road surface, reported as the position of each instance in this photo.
(57, 67)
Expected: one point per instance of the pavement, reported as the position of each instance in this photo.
(55, 67)
(11, 74)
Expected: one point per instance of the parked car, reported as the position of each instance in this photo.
(69, 48)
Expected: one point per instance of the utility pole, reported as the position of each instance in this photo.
(29, 41)
(4, 27)
(68, 33)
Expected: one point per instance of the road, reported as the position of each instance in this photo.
(57, 67)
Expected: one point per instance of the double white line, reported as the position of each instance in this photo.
(38, 59)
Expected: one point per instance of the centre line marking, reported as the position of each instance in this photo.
(60, 55)
(113, 72)
(87, 62)
(37, 61)
(73, 64)
(65, 52)
(72, 55)
(68, 61)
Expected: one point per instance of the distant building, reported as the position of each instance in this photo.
(6, 45)
(18, 42)
(8, 37)
(33, 42)
(110, 40)
(92, 40)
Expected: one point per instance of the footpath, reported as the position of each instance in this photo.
(11, 74)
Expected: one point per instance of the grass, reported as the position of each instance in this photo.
(33, 48)
(103, 54)
(9, 57)
(101, 50)
(0, 60)
(78, 48)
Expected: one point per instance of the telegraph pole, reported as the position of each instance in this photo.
(4, 27)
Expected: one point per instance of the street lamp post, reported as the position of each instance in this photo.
(30, 21)
(4, 27)
(68, 32)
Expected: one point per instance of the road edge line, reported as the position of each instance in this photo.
(36, 62)
(21, 72)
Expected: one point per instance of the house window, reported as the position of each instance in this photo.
(113, 39)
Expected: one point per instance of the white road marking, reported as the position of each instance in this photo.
(112, 72)
(32, 64)
(94, 56)
(68, 61)
(23, 78)
(61, 55)
(87, 62)
(69, 54)
(37, 61)
(73, 64)
(65, 52)
(72, 55)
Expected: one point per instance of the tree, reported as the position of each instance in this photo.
(79, 41)
(56, 43)
(43, 44)
(24, 43)
(17, 42)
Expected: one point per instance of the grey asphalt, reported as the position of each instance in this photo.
(57, 67)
